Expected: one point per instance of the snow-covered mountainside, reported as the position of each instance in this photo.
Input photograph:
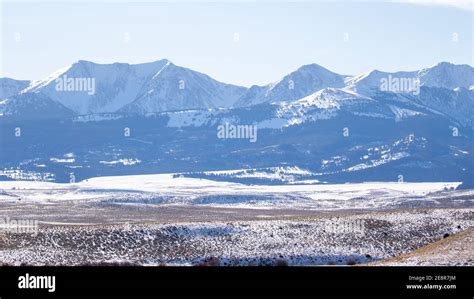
(441, 75)
(447, 75)
(10, 87)
(34, 106)
(178, 88)
(370, 83)
(458, 103)
(89, 88)
(159, 117)
(86, 87)
(324, 104)
(113, 85)
(296, 85)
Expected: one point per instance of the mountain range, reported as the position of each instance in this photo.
(373, 126)
(163, 86)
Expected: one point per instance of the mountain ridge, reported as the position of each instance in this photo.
(161, 86)
(338, 134)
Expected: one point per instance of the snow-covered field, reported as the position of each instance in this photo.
(324, 240)
(173, 220)
(170, 189)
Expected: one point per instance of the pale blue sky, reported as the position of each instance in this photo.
(275, 38)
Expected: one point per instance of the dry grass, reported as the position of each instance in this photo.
(456, 248)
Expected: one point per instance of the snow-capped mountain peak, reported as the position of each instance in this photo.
(447, 75)
(177, 88)
(443, 74)
(304, 81)
(86, 87)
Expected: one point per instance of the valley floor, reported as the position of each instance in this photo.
(205, 223)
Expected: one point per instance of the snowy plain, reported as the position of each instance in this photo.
(171, 189)
(168, 219)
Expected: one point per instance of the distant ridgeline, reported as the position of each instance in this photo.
(312, 126)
